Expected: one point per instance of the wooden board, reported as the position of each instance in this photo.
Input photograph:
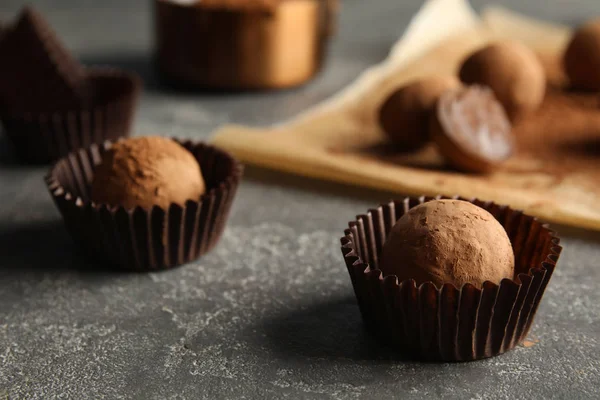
(554, 176)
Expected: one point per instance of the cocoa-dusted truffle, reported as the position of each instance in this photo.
(146, 172)
(448, 241)
(582, 57)
(471, 129)
(404, 116)
(512, 71)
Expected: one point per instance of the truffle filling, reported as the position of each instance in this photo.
(477, 122)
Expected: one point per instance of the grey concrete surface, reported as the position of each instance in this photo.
(270, 312)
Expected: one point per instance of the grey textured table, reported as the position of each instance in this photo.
(270, 312)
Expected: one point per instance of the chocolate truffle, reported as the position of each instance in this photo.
(146, 172)
(512, 71)
(471, 129)
(582, 57)
(404, 116)
(448, 241)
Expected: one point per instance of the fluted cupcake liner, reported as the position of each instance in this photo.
(141, 239)
(37, 72)
(45, 137)
(449, 323)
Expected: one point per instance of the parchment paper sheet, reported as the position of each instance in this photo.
(339, 139)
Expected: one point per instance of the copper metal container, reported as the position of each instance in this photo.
(207, 46)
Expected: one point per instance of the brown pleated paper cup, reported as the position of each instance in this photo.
(140, 239)
(37, 71)
(449, 324)
(45, 137)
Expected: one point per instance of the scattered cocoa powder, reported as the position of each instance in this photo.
(563, 134)
(530, 343)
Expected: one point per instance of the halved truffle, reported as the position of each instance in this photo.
(471, 129)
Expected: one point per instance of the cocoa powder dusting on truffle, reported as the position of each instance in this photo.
(448, 241)
(512, 71)
(145, 172)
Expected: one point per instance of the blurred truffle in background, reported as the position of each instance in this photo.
(37, 72)
(512, 71)
(582, 57)
(50, 103)
(404, 115)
